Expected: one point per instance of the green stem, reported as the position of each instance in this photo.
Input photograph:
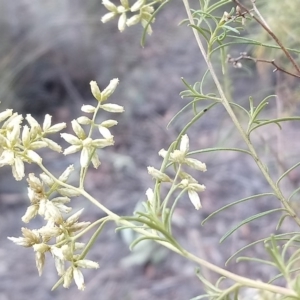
(237, 124)
(175, 247)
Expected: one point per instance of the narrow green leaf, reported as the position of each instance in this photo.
(252, 218)
(235, 203)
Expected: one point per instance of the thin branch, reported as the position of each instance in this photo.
(244, 55)
(270, 32)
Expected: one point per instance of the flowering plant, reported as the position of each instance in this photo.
(49, 194)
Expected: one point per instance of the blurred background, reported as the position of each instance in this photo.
(49, 52)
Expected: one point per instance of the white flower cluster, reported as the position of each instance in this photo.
(187, 182)
(82, 141)
(140, 10)
(56, 237)
(60, 233)
(18, 143)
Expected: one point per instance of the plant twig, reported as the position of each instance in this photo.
(244, 55)
(270, 32)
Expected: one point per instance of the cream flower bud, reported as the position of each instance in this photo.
(5, 114)
(52, 145)
(18, 169)
(30, 213)
(85, 157)
(107, 17)
(125, 3)
(38, 145)
(113, 108)
(89, 109)
(33, 123)
(49, 232)
(26, 136)
(150, 196)
(133, 20)
(104, 132)
(95, 161)
(109, 5)
(47, 122)
(40, 262)
(109, 89)
(46, 179)
(74, 218)
(14, 134)
(95, 90)
(61, 200)
(184, 143)
(87, 264)
(7, 158)
(68, 192)
(79, 279)
(72, 149)
(59, 266)
(158, 175)
(70, 138)
(196, 164)
(34, 157)
(101, 143)
(68, 276)
(137, 5)
(52, 213)
(122, 22)
(13, 120)
(162, 153)
(78, 130)
(56, 128)
(65, 175)
(108, 123)
(83, 120)
(195, 199)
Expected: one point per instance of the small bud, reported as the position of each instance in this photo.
(137, 5)
(195, 199)
(107, 17)
(109, 123)
(65, 175)
(47, 180)
(18, 169)
(95, 90)
(47, 122)
(68, 192)
(56, 128)
(30, 213)
(109, 5)
(196, 164)
(79, 279)
(87, 264)
(133, 20)
(85, 157)
(109, 89)
(122, 22)
(26, 136)
(70, 138)
(104, 132)
(68, 276)
(158, 175)
(5, 114)
(88, 109)
(52, 145)
(113, 108)
(34, 157)
(83, 120)
(184, 143)
(78, 130)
